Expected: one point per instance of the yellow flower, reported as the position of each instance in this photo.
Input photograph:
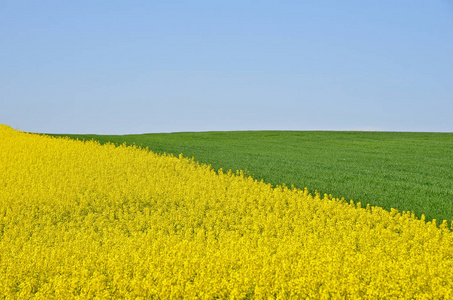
(84, 220)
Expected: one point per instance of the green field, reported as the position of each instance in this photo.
(406, 171)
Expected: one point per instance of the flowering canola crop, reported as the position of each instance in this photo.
(84, 220)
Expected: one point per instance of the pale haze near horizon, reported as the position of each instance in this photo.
(119, 67)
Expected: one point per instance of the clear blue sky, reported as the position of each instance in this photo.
(117, 67)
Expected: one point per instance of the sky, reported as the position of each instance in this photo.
(126, 67)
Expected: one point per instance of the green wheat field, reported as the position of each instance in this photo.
(402, 170)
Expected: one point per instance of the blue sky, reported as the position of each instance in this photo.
(118, 67)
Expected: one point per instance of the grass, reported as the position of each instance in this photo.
(406, 171)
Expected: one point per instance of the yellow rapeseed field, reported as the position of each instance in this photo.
(89, 221)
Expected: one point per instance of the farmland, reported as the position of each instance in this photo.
(85, 220)
(401, 170)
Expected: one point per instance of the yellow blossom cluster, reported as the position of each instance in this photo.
(80, 220)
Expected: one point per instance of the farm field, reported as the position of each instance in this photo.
(401, 170)
(81, 220)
